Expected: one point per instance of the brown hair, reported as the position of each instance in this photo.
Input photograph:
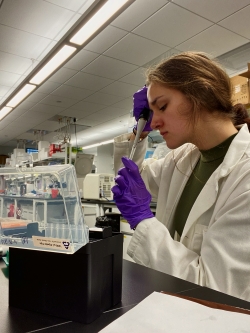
(203, 81)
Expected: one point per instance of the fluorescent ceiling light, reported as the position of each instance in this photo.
(98, 144)
(24, 92)
(64, 53)
(97, 20)
(5, 110)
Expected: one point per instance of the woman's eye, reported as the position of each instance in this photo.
(163, 107)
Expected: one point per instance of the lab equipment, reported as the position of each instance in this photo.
(143, 119)
(98, 186)
(40, 208)
(131, 195)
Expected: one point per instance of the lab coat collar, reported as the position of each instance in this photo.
(240, 146)
(207, 197)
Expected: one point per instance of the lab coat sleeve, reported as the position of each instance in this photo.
(122, 147)
(223, 261)
(153, 246)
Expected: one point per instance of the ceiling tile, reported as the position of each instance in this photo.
(62, 75)
(136, 77)
(213, 10)
(8, 93)
(108, 37)
(48, 125)
(81, 59)
(239, 22)
(87, 107)
(215, 41)
(42, 19)
(26, 136)
(76, 113)
(31, 117)
(89, 122)
(20, 80)
(103, 98)
(67, 25)
(120, 89)
(88, 81)
(85, 5)
(21, 42)
(60, 101)
(44, 52)
(136, 50)
(126, 104)
(112, 111)
(23, 121)
(14, 114)
(163, 56)
(172, 25)
(25, 105)
(138, 38)
(48, 86)
(4, 123)
(36, 97)
(99, 117)
(8, 79)
(71, 92)
(137, 12)
(4, 90)
(14, 64)
(109, 68)
(50, 110)
(76, 5)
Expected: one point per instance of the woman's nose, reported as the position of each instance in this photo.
(155, 122)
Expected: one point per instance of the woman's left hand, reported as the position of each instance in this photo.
(130, 194)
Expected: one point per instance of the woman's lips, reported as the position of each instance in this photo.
(163, 133)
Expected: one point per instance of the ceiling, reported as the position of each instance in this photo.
(96, 86)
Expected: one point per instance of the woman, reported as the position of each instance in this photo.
(201, 230)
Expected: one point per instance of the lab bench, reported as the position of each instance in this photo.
(137, 283)
(101, 206)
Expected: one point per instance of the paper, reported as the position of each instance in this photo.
(164, 313)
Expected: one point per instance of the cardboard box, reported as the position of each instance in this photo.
(247, 73)
(240, 90)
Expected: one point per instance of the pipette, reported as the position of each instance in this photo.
(144, 116)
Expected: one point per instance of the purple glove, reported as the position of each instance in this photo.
(130, 194)
(141, 105)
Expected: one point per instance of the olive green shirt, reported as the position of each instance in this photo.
(207, 164)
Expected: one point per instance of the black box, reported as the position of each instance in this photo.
(109, 219)
(77, 287)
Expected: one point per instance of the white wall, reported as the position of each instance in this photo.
(104, 159)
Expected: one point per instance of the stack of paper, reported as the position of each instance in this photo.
(164, 313)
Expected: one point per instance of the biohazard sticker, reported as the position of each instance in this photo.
(52, 243)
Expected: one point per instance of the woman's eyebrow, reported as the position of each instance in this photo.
(155, 100)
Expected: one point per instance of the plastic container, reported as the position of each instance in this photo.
(44, 212)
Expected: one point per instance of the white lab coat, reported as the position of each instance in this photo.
(214, 249)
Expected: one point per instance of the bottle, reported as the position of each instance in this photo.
(11, 210)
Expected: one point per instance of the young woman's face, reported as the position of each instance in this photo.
(171, 115)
